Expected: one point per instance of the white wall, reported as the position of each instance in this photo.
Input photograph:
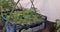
(50, 8)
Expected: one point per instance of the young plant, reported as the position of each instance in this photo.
(58, 25)
(27, 16)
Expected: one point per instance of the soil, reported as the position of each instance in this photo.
(49, 27)
(1, 26)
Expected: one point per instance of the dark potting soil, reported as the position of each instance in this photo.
(1, 26)
(49, 27)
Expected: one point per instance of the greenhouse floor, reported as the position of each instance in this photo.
(49, 27)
